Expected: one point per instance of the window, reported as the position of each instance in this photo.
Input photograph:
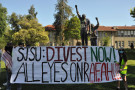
(100, 34)
(132, 33)
(122, 33)
(128, 33)
(125, 33)
(129, 43)
(103, 34)
(119, 33)
(119, 43)
(122, 44)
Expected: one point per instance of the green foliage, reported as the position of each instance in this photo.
(32, 13)
(8, 34)
(106, 40)
(31, 33)
(132, 12)
(2, 42)
(13, 20)
(63, 13)
(16, 20)
(6, 37)
(3, 18)
(27, 29)
(72, 29)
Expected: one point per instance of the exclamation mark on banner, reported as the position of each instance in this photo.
(114, 55)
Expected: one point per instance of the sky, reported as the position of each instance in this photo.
(109, 12)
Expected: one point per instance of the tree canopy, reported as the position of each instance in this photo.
(13, 20)
(63, 13)
(32, 13)
(72, 28)
(132, 12)
(3, 19)
(106, 40)
(30, 31)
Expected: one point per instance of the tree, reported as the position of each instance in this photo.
(13, 20)
(32, 13)
(31, 33)
(3, 19)
(132, 12)
(72, 30)
(63, 13)
(27, 29)
(106, 40)
(6, 37)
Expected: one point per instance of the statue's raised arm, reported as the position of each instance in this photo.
(96, 27)
(77, 12)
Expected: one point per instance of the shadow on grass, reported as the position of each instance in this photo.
(130, 54)
(131, 77)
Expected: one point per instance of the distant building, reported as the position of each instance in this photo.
(120, 36)
(52, 31)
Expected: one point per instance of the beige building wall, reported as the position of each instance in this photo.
(115, 41)
(123, 41)
(101, 35)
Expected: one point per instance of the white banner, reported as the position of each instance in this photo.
(65, 65)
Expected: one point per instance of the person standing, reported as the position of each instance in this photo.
(8, 58)
(132, 46)
(123, 68)
(85, 26)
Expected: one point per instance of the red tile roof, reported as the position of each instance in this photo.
(115, 28)
(101, 28)
(125, 27)
(50, 28)
(106, 28)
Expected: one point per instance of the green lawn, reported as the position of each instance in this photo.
(2, 64)
(100, 86)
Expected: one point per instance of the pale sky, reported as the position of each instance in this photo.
(109, 12)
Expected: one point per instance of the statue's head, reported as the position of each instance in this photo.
(92, 25)
(83, 16)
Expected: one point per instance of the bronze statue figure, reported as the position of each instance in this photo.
(93, 38)
(85, 26)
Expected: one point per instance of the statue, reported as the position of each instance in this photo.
(93, 38)
(85, 26)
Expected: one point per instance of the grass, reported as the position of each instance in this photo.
(2, 64)
(98, 86)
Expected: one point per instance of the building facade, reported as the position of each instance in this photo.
(120, 36)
